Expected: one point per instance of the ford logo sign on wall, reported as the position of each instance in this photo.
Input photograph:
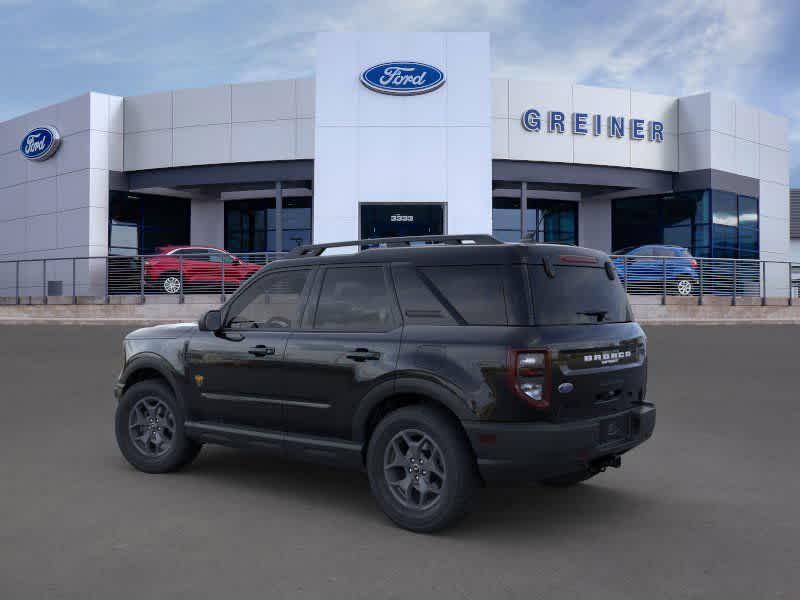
(40, 143)
(402, 78)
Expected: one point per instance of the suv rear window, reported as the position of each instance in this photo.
(475, 292)
(577, 296)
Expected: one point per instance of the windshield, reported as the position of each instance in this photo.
(577, 296)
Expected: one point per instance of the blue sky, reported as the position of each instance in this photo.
(747, 49)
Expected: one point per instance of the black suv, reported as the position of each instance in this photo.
(436, 368)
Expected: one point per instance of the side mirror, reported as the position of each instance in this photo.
(211, 321)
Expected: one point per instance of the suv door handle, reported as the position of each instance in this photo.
(261, 350)
(362, 354)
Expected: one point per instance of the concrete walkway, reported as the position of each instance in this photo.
(165, 309)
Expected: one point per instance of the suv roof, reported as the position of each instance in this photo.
(463, 249)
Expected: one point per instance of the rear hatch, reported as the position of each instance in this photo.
(583, 318)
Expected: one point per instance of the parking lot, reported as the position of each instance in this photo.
(707, 509)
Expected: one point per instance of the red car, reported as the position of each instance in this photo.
(203, 269)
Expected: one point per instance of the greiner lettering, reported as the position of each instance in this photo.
(583, 123)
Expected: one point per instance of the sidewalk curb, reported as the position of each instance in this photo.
(84, 321)
(147, 322)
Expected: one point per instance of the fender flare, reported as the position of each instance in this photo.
(411, 384)
(149, 360)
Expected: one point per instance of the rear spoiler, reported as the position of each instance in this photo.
(584, 260)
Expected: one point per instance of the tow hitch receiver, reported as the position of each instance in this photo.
(601, 464)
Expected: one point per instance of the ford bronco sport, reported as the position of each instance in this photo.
(435, 368)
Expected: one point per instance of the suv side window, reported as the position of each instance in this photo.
(418, 303)
(272, 302)
(354, 299)
(475, 292)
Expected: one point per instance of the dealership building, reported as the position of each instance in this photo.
(395, 134)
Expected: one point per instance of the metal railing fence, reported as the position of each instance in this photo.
(186, 277)
(705, 278)
(71, 279)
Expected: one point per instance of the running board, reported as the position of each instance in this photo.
(318, 449)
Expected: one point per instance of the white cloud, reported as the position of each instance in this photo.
(676, 47)
(673, 47)
(283, 54)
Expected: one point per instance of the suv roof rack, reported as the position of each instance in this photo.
(311, 250)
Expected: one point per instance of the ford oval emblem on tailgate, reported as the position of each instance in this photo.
(565, 388)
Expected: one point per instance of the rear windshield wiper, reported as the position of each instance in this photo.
(599, 314)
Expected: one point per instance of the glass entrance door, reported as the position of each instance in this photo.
(278, 222)
(399, 220)
(552, 221)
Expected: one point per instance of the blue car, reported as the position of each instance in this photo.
(644, 269)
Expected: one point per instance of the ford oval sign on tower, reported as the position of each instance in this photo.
(402, 78)
(40, 143)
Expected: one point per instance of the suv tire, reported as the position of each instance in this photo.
(149, 428)
(421, 469)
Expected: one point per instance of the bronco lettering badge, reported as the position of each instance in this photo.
(607, 358)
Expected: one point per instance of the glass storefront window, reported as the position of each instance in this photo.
(748, 242)
(636, 222)
(705, 222)
(678, 236)
(748, 211)
(296, 222)
(702, 237)
(725, 209)
(141, 223)
(678, 211)
(506, 219)
(545, 220)
(253, 225)
(246, 225)
(725, 240)
(552, 221)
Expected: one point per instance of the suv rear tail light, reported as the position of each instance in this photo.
(694, 264)
(529, 376)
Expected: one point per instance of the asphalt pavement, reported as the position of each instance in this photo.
(706, 509)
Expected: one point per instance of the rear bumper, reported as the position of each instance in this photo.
(531, 451)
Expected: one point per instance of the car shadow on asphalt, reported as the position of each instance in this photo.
(507, 511)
